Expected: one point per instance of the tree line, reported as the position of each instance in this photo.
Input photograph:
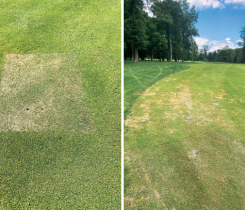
(167, 35)
(226, 54)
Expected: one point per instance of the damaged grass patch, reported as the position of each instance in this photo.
(43, 91)
(189, 152)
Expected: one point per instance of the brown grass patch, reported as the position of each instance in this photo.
(37, 91)
(134, 122)
(182, 98)
(222, 94)
(181, 85)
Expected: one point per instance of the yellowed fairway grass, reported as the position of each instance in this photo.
(184, 141)
(42, 91)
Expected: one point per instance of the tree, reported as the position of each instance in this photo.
(194, 50)
(155, 39)
(135, 27)
(239, 55)
(242, 43)
(230, 55)
(189, 17)
(205, 50)
(167, 34)
(201, 55)
(161, 11)
(225, 55)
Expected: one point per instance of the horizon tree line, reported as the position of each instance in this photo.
(226, 54)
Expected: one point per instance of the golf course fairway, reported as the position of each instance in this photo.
(184, 140)
(60, 116)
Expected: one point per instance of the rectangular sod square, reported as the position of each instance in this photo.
(43, 92)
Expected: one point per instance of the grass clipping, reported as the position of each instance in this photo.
(42, 91)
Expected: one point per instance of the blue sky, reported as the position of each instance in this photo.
(219, 22)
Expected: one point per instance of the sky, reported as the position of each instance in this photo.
(219, 22)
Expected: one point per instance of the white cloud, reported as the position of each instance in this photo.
(228, 40)
(239, 40)
(147, 7)
(238, 7)
(215, 44)
(242, 2)
(201, 40)
(206, 3)
(202, 4)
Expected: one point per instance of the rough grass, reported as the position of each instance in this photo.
(188, 153)
(61, 168)
(138, 77)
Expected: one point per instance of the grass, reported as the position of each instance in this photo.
(138, 78)
(43, 91)
(184, 141)
(71, 160)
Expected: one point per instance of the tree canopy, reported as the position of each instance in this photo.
(168, 34)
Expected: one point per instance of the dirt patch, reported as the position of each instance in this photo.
(42, 91)
(193, 154)
(221, 95)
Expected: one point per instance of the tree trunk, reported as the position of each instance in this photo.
(183, 52)
(136, 60)
(170, 42)
(152, 54)
(133, 54)
(175, 58)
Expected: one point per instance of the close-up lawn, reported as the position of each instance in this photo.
(184, 139)
(60, 127)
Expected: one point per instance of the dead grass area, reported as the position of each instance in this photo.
(194, 127)
(182, 98)
(133, 121)
(147, 191)
(42, 91)
(181, 104)
(221, 95)
(198, 113)
(151, 183)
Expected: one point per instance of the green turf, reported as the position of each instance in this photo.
(58, 166)
(184, 141)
